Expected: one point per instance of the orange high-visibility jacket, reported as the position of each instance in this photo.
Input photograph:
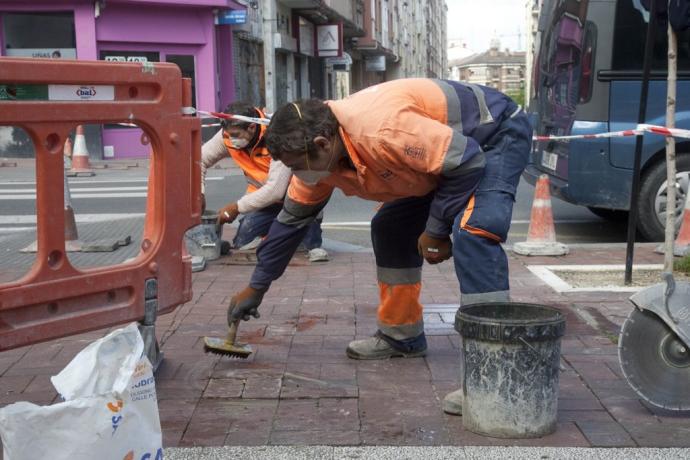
(408, 137)
(254, 164)
(403, 137)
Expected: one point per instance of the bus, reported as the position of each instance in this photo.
(587, 79)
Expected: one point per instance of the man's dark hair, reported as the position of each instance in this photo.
(295, 125)
(239, 108)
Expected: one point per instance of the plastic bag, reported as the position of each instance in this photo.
(110, 409)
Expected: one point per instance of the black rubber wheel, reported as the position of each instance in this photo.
(612, 215)
(652, 202)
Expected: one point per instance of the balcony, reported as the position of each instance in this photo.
(327, 11)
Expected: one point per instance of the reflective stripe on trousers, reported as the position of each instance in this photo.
(394, 232)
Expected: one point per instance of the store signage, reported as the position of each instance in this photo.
(129, 56)
(306, 37)
(126, 59)
(375, 63)
(329, 40)
(51, 53)
(231, 17)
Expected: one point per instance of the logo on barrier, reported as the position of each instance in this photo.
(86, 92)
(146, 456)
(115, 408)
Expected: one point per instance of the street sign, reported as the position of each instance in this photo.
(231, 17)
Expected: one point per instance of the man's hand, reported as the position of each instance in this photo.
(228, 214)
(434, 250)
(245, 304)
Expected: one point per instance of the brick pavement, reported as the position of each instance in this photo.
(299, 388)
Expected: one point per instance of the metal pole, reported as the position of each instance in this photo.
(642, 116)
(671, 150)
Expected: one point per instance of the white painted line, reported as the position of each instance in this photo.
(548, 274)
(104, 181)
(550, 278)
(80, 218)
(85, 189)
(81, 195)
(16, 229)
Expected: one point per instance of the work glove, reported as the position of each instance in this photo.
(434, 250)
(203, 203)
(228, 214)
(245, 304)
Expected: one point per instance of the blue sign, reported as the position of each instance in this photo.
(230, 17)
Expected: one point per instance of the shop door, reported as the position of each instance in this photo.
(186, 64)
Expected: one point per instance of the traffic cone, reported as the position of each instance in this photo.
(541, 236)
(681, 247)
(72, 242)
(80, 155)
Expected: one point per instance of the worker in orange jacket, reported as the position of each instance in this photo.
(267, 181)
(445, 157)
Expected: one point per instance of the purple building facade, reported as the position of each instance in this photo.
(179, 31)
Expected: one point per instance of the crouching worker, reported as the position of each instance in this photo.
(444, 156)
(267, 181)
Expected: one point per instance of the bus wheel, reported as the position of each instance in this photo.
(612, 215)
(652, 203)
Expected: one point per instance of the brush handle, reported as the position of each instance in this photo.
(232, 332)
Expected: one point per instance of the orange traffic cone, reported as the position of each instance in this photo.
(80, 155)
(681, 247)
(541, 236)
(72, 242)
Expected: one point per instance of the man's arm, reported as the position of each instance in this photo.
(302, 204)
(212, 152)
(271, 192)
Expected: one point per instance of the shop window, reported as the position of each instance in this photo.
(39, 35)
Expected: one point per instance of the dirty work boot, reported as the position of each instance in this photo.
(452, 403)
(318, 255)
(380, 346)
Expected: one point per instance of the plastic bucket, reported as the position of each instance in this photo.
(204, 239)
(511, 361)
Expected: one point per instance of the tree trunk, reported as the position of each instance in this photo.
(671, 150)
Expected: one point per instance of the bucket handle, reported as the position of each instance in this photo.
(541, 357)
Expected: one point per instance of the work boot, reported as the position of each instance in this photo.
(452, 403)
(318, 255)
(382, 347)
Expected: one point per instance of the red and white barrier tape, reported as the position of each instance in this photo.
(226, 116)
(640, 130)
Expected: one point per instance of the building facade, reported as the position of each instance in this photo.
(266, 52)
(532, 8)
(503, 70)
(177, 31)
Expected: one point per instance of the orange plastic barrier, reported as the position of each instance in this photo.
(55, 299)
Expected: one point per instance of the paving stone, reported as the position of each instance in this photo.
(605, 434)
(224, 388)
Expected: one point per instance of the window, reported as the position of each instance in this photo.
(629, 40)
(49, 35)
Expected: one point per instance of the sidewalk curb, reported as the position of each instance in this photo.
(429, 453)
